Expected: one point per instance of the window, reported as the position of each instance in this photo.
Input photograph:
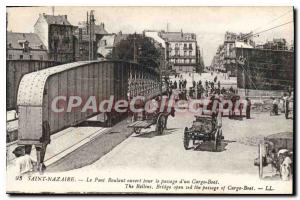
(26, 46)
(176, 52)
(30, 57)
(190, 46)
(21, 57)
(185, 46)
(10, 56)
(176, 60)
(191, 61)
(190, 53)
(41, 57)
(184, 53)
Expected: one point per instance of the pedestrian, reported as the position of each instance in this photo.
(215, 79)
(275, 106)
(24, 163)
(180, 84)
(175, 85)
(219, 84)
(248, 108)
(231, 89)
(223, 90)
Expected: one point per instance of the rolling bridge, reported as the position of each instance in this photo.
(37, 121)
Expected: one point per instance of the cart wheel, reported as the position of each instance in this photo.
(137, 130)
(186, 139)
(217, 140)
(160, 124)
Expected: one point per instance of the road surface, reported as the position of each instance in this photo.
(152, 152)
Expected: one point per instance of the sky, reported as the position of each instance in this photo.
(208, 23)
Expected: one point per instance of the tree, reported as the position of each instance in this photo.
(146, 53)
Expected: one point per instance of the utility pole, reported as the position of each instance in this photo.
(91, 32)
(134, 48)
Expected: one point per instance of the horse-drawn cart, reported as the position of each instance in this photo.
(160, 119)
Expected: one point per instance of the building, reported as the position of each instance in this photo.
(25, 46)
(182, 50)
(105, 45)
(276, 44)
(87, 40)
(264, 72)
(87, 37)
(225, 57)
(108, 42)
(56, 33)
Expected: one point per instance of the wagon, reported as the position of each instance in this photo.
(160, 119)
(274, 150)
(204, 128)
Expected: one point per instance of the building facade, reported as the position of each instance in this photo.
(56, 33)
(25, 46)
(225, 57)
(87, 37)
(182, 51)
(107, 44)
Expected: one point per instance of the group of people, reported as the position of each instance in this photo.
(199, 89)
(181, 84)
(286, 100)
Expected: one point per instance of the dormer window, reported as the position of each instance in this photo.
(24, 44)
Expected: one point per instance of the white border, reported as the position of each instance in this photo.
(5, 3)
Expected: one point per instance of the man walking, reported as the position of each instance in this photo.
(248, 108)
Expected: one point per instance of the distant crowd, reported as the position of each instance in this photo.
(203, 89)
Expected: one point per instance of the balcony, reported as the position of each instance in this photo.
(183, 56)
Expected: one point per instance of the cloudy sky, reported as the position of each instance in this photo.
(209, 23)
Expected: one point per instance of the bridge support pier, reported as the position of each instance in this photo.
(40, 154)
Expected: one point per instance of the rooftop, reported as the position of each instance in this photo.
(119, 37)
(178, 36)
(98, 28)
(16, 40)
(56, 19)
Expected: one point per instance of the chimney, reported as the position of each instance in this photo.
(66, 16)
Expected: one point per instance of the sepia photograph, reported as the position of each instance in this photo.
(150, 100)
